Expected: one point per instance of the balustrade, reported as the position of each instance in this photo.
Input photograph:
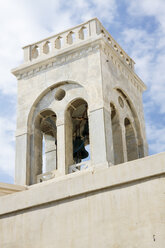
(79, 167)
(72, 168)
(76, 35)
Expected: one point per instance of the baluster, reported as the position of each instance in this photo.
(27, 56)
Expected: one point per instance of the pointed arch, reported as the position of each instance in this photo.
(44, 144)
(131, 143)
(116, 136)
(140, 142)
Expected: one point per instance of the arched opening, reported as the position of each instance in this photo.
(77, 134)
(131, 144)
(46, 47)
(83, 33)
(58, 42)
(35, 52)
(140, 142)
(70, 37)
(116, 136)
(45, 143)
(36, 157)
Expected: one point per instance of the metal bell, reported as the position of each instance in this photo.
(79, 151)
(85, 132)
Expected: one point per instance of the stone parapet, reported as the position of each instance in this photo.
(6, 188)
(83, 182)
(77, 35)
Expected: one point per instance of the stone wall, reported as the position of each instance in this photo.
(6, 188)
(84, 62)
(121, 206)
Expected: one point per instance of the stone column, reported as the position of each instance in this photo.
(93, 27)
(26, 53)
(22, 170)
(61, 147)
(68, 141)
(64, 142)
(124, 142)
(101, 144)
(36, 158)
(41, 50)
(50, 153)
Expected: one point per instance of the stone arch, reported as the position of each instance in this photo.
(77, 132)
(58, 42)
(44, 93)
(44, 141)
(140, 142)
(131, 142)
(50, 99)
(35, 52)
(116, 135)
(46, 47)
(70, 37)
(82, 33)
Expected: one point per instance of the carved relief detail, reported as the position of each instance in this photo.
(111, 56)
(58, 61)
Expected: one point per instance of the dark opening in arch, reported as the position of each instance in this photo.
(116, 136)
(45, 142)
(131, 143)
(77, 132)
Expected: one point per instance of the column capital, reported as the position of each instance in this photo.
(60, 122)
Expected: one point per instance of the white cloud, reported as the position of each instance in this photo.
(148, 8)
(148, 50)
(24, 22)
(7, 157)
(148, 47)
(156, 138)
(139, 45)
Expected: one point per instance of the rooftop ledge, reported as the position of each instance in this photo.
(84, 182)
(6, 188)
(76, 36)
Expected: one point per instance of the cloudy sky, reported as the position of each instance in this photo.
(138, 26)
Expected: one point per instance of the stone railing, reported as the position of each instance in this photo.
(61, 41)
(79, 167)
(117, 48)
(76, 35)
(72, 168)
(46, 176)
(6, 188)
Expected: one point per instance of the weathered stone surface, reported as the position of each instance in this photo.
(6, 188)
(107, 202)
(119, 206)
(92, 67)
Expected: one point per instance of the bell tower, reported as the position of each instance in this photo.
(79, 105)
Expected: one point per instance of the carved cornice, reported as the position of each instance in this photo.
(129, 74)
(29, 70)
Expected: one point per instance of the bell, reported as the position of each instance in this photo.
(79, 151)
(85, 132)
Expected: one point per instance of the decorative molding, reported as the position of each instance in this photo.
(52, 62)
(122, 68)
(55, 61)
(122, 174)
(6, 188)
